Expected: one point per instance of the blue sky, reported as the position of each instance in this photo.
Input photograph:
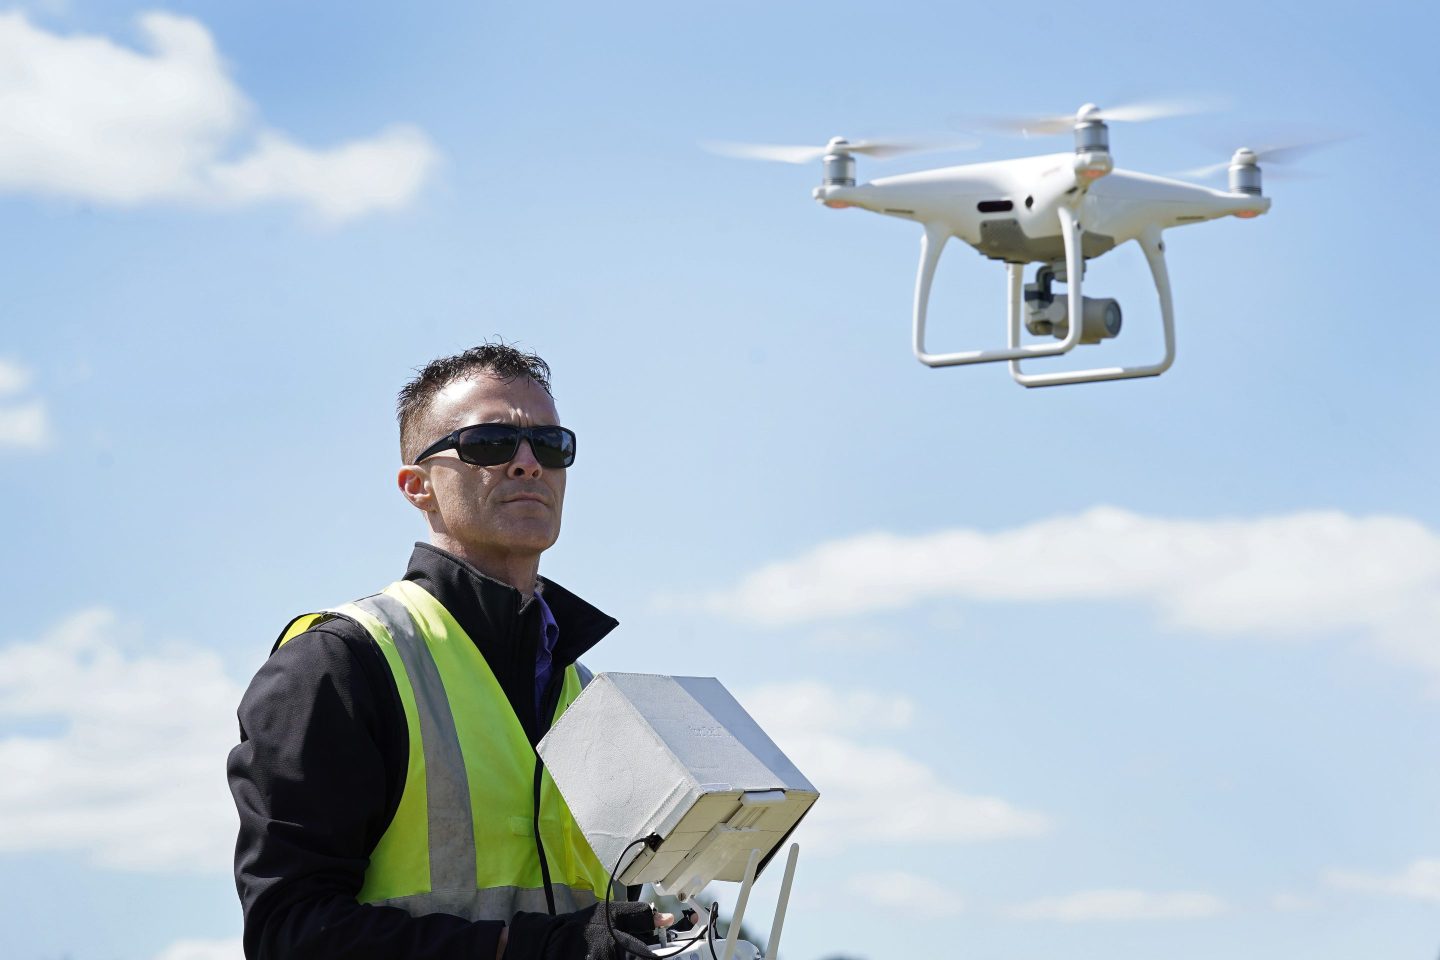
(1113, 671)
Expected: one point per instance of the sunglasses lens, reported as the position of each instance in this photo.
(491, 444)
(488, 445)
(554, 446)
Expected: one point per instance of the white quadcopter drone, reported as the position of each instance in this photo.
(1058, 211)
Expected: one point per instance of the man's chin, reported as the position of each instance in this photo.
(522, 541)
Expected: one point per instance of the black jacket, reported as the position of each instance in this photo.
(321, 763)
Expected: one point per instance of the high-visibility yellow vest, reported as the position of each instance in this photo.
(463, 839)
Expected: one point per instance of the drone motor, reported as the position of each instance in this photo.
(839, 164)
(1245, 172)
(1092, 144)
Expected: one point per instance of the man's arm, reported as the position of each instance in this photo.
(316, 778)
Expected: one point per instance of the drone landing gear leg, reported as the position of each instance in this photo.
(1154, 247)
(930, 247)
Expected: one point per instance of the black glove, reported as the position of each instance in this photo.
(582, 935)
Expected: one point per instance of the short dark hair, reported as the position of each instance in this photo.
(412, 407)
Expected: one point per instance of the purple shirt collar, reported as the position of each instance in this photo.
(545, 654)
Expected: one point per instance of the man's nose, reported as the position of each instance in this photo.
(524, 463)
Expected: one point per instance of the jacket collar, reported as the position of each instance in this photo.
(493, 612)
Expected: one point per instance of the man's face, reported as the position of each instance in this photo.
(504, 511)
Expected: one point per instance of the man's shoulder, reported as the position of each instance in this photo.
(322, 627)
(332, 652)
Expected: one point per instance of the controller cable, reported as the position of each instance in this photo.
(708, 932)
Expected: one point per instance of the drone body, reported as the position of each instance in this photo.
(1008, 210)
(1059, 211)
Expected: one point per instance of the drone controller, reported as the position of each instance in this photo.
(699, 943)
(699, 948)
(678, 762)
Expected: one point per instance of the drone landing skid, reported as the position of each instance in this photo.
(933, 243)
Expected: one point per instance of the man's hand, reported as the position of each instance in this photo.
(584, 934)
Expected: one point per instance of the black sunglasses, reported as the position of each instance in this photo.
(491, 444)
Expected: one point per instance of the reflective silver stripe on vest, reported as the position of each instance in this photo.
(495, 903)
(447, 792)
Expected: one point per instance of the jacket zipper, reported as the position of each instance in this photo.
(539, 774)
(540, 844)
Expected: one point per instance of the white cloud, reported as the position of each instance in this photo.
(84, 117)
(25, 425)
(1120, 905)
(381, 173)
(1287, 576)
(917, 895)
(203, 950)
(1291, 903)
(804, 706)
(839, 637)
(134, 777)
(871, 792)
(1419, 881)
(13, 378)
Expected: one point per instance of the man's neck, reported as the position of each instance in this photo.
(517, 569)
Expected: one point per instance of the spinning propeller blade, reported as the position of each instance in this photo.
(1126, 113)
(1157, 110)
(1201, 173)
(869, 148)
(1267, 157)
(764, 151)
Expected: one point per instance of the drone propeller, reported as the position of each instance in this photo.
(1127, 113)
(869, 148)
(1276, 154)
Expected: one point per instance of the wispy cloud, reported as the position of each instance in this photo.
(903, 890)
(1288, 576)
(380, 173)
(90, 119)
(1292, 903)
(13, 377)
(1090, 905)
(1419, 881)
(24, 424)
(203, 950)
(133, 775)
(874, 792)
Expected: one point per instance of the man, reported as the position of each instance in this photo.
(391, 802)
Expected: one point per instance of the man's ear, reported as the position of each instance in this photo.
(414, 483)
